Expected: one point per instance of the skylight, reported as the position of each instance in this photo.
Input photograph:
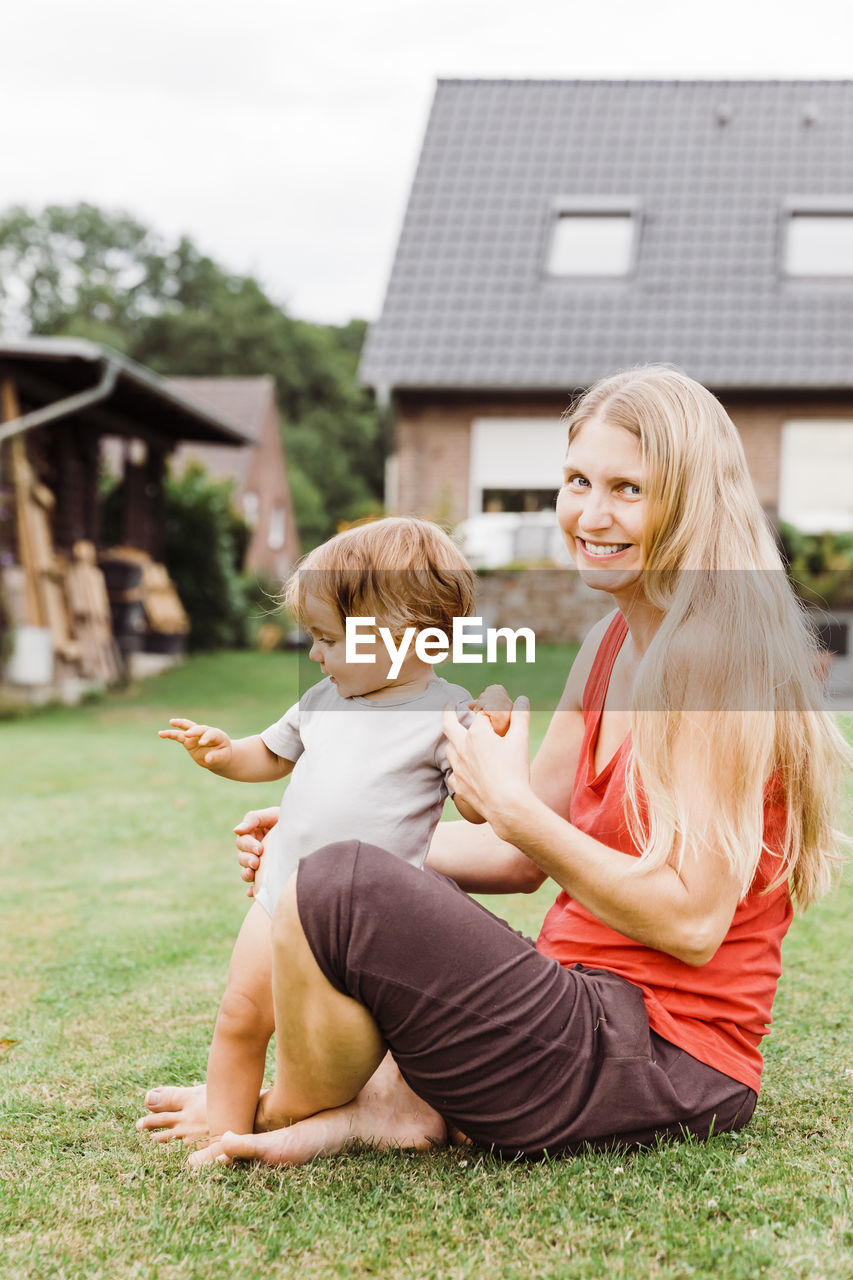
(819, 243)
(593, 243)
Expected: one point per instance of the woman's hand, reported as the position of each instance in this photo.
(491, 773)
(251, 832)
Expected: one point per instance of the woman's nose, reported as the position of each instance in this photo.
(597, 512)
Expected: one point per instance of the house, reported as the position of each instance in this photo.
(258, 469)
(557, 231)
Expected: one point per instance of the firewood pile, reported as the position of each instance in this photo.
(143, 597)
(68, 593)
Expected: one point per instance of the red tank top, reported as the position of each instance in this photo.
(720, 1011)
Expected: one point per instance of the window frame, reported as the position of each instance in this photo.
(798, 437)
(812, 207)
(593, 206)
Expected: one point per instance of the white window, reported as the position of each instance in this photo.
(522, 456)
(251, 507)
(819, 242)
(591, 243)
(816, 475)
(275, 539)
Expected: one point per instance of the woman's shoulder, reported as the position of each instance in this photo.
(593, 640)
(583, 663)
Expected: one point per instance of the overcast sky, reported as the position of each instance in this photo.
(282, 136)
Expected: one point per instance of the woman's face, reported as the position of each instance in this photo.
(602, 505)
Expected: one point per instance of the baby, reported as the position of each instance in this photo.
(366, 751)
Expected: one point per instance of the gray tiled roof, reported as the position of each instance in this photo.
(469, 303)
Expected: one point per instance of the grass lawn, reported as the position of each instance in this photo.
(120, 901)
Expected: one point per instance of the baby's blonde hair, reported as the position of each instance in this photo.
(400, 570)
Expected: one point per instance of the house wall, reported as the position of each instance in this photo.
(433, 436)
(267, 477)
(760, 425)
(433, 449)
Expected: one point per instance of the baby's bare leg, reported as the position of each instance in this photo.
(235, 1065)
(327, 1044)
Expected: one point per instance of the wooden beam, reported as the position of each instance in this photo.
(9, 406)
(11, 409)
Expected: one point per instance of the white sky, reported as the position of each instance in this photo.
(282, 135)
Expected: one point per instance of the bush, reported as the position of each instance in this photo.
(820, 566)
(204, 544)
(203, 549)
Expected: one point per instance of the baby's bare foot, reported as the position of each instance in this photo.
(176, 1113)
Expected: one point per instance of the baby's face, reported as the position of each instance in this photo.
(328, 647)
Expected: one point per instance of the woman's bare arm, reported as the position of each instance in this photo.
(552, 774)
(478, 859)
(480, 862)
(685, 912)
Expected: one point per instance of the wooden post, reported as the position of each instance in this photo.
(10, 409)
(9, 406)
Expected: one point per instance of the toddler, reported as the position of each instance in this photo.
(366, 752)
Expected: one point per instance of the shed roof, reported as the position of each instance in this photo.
(48, 371)
(708, 167)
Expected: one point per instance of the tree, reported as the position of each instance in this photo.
(83, 272)
(204, 546)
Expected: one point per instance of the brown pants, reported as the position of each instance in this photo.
(519, 1053)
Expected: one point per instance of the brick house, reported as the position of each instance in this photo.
(258, 468)
(557, 231)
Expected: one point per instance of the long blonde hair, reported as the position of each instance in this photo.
(734, 643)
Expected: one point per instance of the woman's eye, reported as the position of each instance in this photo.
(577, 480)
(633, 489)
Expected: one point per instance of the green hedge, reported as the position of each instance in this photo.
(204, 544)
(820, 566)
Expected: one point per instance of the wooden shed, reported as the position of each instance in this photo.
(59, 398)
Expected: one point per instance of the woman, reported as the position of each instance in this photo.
(682, 796)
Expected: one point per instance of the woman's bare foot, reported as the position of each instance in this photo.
(176, 1113)
(212, 1153)
(386, 1114)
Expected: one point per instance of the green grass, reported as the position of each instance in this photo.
(120, 903)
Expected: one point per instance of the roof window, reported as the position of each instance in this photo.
(591, 241)
(819, 242)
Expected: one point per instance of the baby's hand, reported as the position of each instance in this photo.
(495, 703)
(209, 747)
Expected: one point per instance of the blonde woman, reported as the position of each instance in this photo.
(682, 801)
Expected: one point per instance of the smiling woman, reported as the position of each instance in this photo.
(683, 797)
(601, 507)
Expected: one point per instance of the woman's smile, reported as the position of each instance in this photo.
(602, 550)
(602, 508)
